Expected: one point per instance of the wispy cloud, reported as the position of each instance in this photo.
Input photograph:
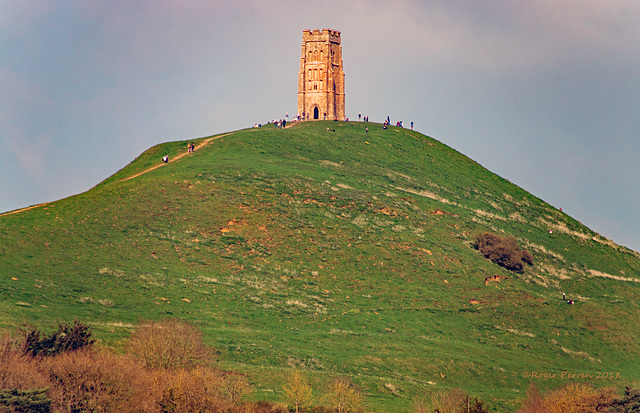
(544, 93)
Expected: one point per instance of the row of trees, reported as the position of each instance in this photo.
(342, 396)
(166, 368)
(572, 398)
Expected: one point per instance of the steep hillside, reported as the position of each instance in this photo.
(336, 251)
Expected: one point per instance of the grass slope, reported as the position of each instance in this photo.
(341, 253)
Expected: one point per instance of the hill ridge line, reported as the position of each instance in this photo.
(201, 145)
(24, 209)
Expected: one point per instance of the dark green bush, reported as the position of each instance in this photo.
(630, 402)
(67, 338)
(25, 401)
(504, 251)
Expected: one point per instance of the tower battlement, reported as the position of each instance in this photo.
(320, 35)
(321, 79)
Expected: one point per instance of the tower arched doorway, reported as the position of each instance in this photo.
(316, 113)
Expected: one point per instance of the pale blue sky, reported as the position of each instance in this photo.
(544, 93)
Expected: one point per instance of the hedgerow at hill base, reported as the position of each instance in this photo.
(97, 380)
(168, 376)
(580, 398)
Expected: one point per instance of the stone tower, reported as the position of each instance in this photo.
(321, 80)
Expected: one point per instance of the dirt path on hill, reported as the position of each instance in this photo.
(24, 209)
(199, 146)
(175, 158)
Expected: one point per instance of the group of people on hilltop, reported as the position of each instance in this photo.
(282, 123)
(360, 118)
(399, 124)
(279, 123)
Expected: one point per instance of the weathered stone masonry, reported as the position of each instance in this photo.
(321, 80)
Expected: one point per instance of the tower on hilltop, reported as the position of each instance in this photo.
(321, 80)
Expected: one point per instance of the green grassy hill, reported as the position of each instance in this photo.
(340, 253)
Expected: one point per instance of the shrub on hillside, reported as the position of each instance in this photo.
(572, 398)
(168, 344)
(67, 338)
(66, 381)
(504, 251)
(450, 401)
(203, 390)
(534, 401)
(343, 396)
(22, 384)
(234, 389)
(298, 392)
(89, 381)
(17, 370)
(92, 380)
